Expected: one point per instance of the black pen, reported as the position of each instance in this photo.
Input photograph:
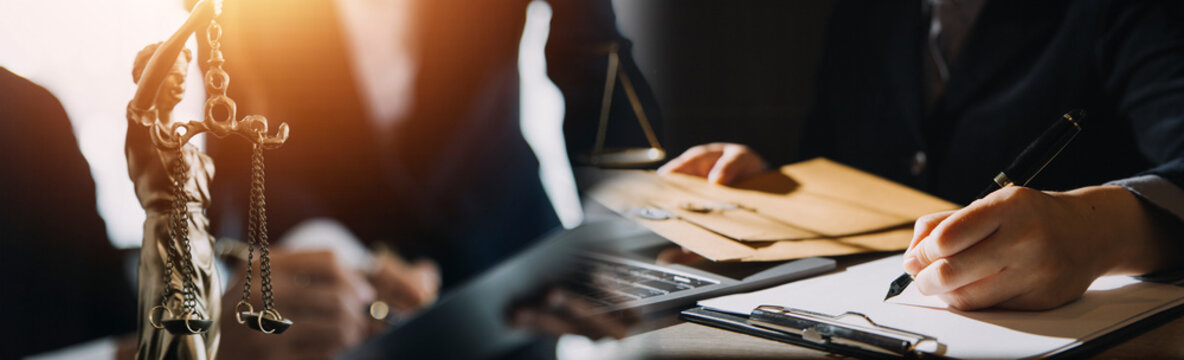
(1025, 167)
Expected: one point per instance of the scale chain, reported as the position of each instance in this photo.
(179, 236)
(259, 217)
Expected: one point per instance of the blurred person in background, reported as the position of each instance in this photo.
(61, 280)
(408, 118)
(406, 135)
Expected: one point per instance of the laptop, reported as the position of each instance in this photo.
(616, 282)
(610, 263)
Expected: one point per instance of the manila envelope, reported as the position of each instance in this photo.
(812, 208)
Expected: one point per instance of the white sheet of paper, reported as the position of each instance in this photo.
(1111, 303)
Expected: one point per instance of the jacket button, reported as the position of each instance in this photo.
(917, 166)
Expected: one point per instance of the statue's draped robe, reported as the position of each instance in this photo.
(148, 168)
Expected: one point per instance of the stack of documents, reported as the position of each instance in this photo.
(812, 208)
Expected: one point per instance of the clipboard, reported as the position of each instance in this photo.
(742, 324)
(814, 313)
(838, 339)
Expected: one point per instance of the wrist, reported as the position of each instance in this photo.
(1127, 237)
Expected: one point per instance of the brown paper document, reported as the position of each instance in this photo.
(812, 208)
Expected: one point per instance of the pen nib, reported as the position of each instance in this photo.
(898, 285)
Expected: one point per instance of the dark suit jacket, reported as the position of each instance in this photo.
(455, 181)
(1023, 65)
(61, 280)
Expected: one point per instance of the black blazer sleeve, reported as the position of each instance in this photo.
(1142, 57)
(61, 280)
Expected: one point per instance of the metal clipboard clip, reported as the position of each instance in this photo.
(826, 329)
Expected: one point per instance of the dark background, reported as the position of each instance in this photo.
(737, 71)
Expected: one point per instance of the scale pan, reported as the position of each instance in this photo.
(626, 157)
(179, 326)
(251, 319)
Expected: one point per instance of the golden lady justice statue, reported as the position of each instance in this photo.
(179, 290)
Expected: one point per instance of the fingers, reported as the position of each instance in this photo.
(720, 163)
(563, 312)
(311, 337)
(959, 231)
(677, 255)
(1017, 248)
(307, 302)
(313, 287)
(326, 305)
(427, 275)
(322, 267)
(323, 297)
(921, 229)
(986, 292)
(736, 162)
(356, 284)
(696, 161)
(405, 286)
(325, 300)
(925, 224)
(532, 318)
(985, 259)
(589, 318)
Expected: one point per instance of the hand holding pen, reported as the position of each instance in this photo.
(1022, 248)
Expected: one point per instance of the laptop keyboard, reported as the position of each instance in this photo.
(610, 283)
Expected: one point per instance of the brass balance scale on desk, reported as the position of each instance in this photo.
(623, 157)
(179, 290)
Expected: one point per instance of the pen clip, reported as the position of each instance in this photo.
(827, 329)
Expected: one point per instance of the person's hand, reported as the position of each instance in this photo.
(720, 163)
(325, 300)
(560, 311)
(1021, 248)
(404, 287)
(677, 255)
